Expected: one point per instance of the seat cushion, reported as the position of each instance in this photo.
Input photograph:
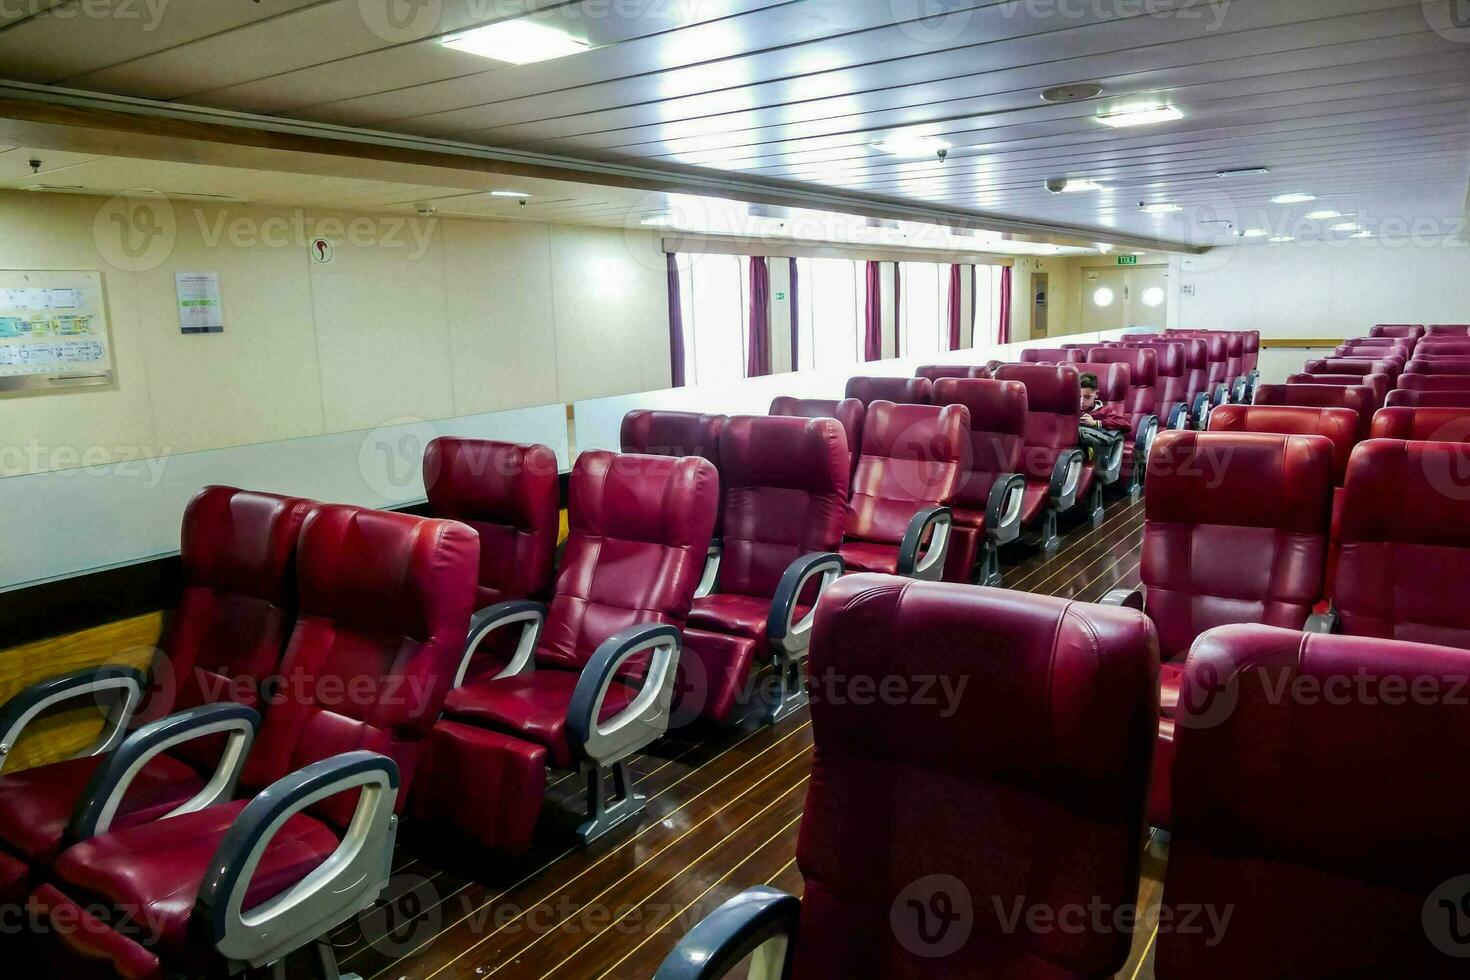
(77, 945)
(734, 615)
(1171, 675)
(36, 804)
(870, 556)
(487, 785)
(532, 706)
(1033, 501)
(153, 871)
(15, 879)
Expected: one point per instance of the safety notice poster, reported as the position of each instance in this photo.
(199, 306)
(53, 330)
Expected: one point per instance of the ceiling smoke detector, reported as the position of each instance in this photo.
(1072, 93)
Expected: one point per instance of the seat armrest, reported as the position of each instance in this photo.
(1200, 414)
(1143, 444)
(120, 687)
(104, 795)
(531, 616)
(348, 881)
(790, 637)
(1178, 416)
(1066, 477)
(1003, 508)
(1129, 598)
(646, 718)
(1321, 623)
(1238, 391)
(933, 524)
(711, 576)
(759, 922)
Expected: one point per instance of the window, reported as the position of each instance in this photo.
(1103, 297)
(924, 294)
(715, 323)
(1153, 297)
(831, 287)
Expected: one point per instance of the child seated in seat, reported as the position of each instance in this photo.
(1100, 425)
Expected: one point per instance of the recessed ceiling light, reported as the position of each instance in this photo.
(1104, 247)
(1346, 226)
(657, 221)
(1140, 115)
(519, 42)
(509, 194)
(1253, 233)
(911, 146)
(1078, 186)
(1362, 234)
(1293, 198)
(1137, 253)
(1160, 208)
(1279, 239)
(1243, 172)
(1327, 215)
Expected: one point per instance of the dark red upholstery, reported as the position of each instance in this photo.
(1434, 382)
(1410, 398)
(1038, 790)
(1422, 424)
(1142, 401)
(786, 489)
(507, 492)
(1217, 357)
(1406, 543)
(1053, 355)
(1353, 365)
(1053, 406)
(1339, 425)
(1252, 348)
(1442, 348)
(1172, 384)
(912, 459)
(1438, 365)
(1412, 331)
(849, 411)
(1234, 354)
(385, 603)
(238, 550)
(902, 391)
(1449, 330)
(1359, 399)
(1400, 352)
(1381, 384)
(997, 432)
(1289, 804)
(675, 434)
(938, 372)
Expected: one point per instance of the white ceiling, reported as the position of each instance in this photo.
(1360, 102)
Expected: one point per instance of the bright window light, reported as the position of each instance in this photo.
(911, 146)
(1103, 297)
(1153, 297)
(1161, 209)
(1140, 115)
(1294, 198)
(519, 42)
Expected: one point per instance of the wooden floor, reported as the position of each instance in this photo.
(723, 814)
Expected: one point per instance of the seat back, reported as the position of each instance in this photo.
(1360, 399)
(1217, 357)
(1042, 765)
(1413, 331)
(1053, 406)
(849, 412)
(1339, 425)
(1373, 353)
(385, 604)
(1235, 531)
(938, 372)
(1113, 387)
(1379, 384)
(1409, 398)
(1422, 424)
(1252, 346)
(901, 391)
(1414, 381)
(1053, 355)
(1171, 381)
(1449, 330)
(655, 433)
(1404, 570)
(1234, 353)
(235, 614)
(997, 430)
(1442, 348)
(786, 485)
(912, 459)
(507, 492)
(1352, 365)
(1143, 372)
(638, 532)
(1438, 365)
(1290, 802)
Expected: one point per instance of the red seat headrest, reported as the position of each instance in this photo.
(1241, 479)
(902, 391)
(1422, 424)
(1339, 425)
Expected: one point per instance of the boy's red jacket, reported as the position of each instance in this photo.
(1111, 417)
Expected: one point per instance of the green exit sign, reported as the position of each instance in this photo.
(780, 296)
(1127, 260)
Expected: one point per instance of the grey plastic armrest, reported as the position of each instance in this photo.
(531, 616)
(1321, 623)
(785, 635)
(1066, 477)
(646, 718)
(1178, 416)
(121, 687)
(104, 795)
(760, 921)
(711, 576)
(933, 524)
(1003, 508)
(1131, 598)
(347, 882)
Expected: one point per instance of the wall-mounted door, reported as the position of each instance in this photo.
(1104, 299)
(1148, 296)
(1040, 294)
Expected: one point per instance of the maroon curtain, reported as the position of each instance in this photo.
(676, 325)
(873, 327)
(1004, 336)
(758, 355)
(954, 307)
(795, 320)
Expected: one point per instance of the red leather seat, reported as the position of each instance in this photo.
(1053, 355)
(1358, 399)
(1412, 331)
(1380, 384)
(901, 391)
(997, 431)
(1326, 824)
(1172, 394)
(1422, 424)
(786, 488)
(1057, 474)
(1413, 381)
(1385, 364)
(676, 434)
(1457, 366)
(1252, 349)
(1399, 352)
(1030, 784)
(910, 467)
(238, 549)
(1411, 398)
(1448, 330)
(1406, 543)
(507, 492)
(1431, 348)
(1236, 530)
(639, 527)
(938, 372)
(385, 602)
(1217, 360)
(1142, 405)
(849, 411)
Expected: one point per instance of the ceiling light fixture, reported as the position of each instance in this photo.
(911, 146)
(1346, 226)
(1159, 208)
(1079, 186)
(519, 42)
(1140, 115)
(1279, 239)
(1253, 233)
(1081, 92)
(657, 221)
(1293, 198)
(1327, 215)
(1244, 172)
(1362, 234)
(509, 194)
